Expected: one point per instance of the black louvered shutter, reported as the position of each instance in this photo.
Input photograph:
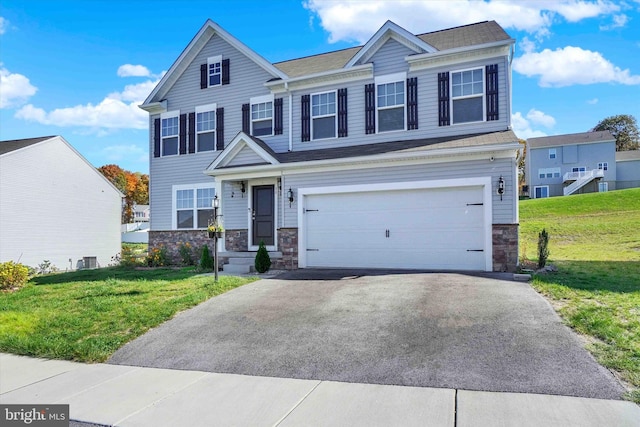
(492, 92)
(370, 108)
(225, 71)
(156, 138)
(192, 132)
(183, 134)
(203, 76)
(220, 129)
(342, 113)
(443, 99)
(277, 116)
(305, 117)
(246, 119)
(412, 103)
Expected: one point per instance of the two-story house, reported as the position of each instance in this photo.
(395, 154)
(561, 165)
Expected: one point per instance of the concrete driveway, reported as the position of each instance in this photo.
(416, 329)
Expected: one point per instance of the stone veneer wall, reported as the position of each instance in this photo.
(173, 239)
(288, 245)
(505, 247)
(236, 240)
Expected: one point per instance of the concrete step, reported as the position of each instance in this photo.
(252, 255)
(242, 261)
(237, 268)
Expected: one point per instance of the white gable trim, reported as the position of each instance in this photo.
(207, 31)
(388, 31)
(237, 144)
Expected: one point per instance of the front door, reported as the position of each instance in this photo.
(262, 215)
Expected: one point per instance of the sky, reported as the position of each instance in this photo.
(81, 68)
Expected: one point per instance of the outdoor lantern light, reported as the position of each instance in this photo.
(290, 196)
(501, 186)
(242, 188)
(216, 203)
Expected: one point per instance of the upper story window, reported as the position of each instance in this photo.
(169, 124)
(206, 127)
(193, 207)
(603, 166)
(262, 116)
(390, 102)
(552, 153)
(467, 95)
(214, 70)
(323, 112)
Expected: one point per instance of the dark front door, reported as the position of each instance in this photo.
(263, 215)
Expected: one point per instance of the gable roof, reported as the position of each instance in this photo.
(571, 139)
(623, 156)
(16, 144)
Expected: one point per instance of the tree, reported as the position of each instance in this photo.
(521, 162)
(624, 129)
(134, 186)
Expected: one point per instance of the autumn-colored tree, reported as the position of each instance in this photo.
(134, 186)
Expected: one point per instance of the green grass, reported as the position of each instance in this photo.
(595, 243)
(87, 315)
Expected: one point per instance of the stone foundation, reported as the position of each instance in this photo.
(236, 240)
(505, 247)
(288, 245)
(172, 240)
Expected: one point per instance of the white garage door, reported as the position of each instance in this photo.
(440, 228)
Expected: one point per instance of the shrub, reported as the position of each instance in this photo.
(45, 267)
(543, 248)
(186, 253)
(263, 261)
(157, 257)
(13, 275)
(206, 261)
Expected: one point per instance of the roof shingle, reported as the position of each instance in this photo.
(16, 144)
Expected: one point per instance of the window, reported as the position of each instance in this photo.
(541, 192)
(549, 173)
(262, 116)
(193, 206)
(214, 71)
(169, 124)
(323, 113)
(467, 95)
(206, 127)
(390, 102)
(579, 171)
(603, 187)
(603, 166)
(552, 153)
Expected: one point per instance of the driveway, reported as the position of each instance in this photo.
(416, 329)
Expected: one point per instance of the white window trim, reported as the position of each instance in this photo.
(603, 166)
(554, 152)
(169, 115)
(335, 115)
(260, 100)
(213, 60)
(484, 95)
(204, 109)
(174, 204)
(603, 187)
(540, 186)
(391, 78)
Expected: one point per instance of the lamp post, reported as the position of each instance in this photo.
(216, 205)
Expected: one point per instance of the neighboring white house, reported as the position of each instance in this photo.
(55, 206)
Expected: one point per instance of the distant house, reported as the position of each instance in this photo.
(141, 213)
(55, 206)
(627, 169)
(585, 162)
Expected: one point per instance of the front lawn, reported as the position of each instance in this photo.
(595, 243)
(88, 314)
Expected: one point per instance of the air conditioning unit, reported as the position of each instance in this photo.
(89, 262)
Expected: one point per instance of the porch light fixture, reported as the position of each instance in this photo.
(242, 188)
(501, 186)
(215, 203)
(290, 196)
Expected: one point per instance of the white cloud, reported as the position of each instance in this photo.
(618, 22)
(540, 118)
(527, 45)
(593, 101)
(357, 20)
(4, 24)
(15, 89)
(119, 110)
(571, 65)
(128, 70)
(522, 128)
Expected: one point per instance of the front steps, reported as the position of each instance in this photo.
(242, 262)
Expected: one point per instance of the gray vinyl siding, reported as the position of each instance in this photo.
(628, 170)
(234, 208)
(246, 156)
(389, 58)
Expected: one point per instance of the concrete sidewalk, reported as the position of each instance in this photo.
(133, 396)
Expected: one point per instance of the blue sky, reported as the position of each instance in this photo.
(80, 68)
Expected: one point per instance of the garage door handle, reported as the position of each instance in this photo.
(475, 250)
(387, 233)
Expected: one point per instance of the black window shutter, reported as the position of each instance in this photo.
(305, 116)
(492, 92)
(443, 99)
(412, 103)
(246, 122)
(342, 113)
(192, 132)
(220, 129)
(203, 76)
(225, 71)
(370, 108)
(156, 138)
(277, 116)
(183, 134)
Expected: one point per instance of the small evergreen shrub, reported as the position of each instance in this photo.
(186, 254)
(206, 261)
(13, 275)
(263, 260)
(543, 248)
